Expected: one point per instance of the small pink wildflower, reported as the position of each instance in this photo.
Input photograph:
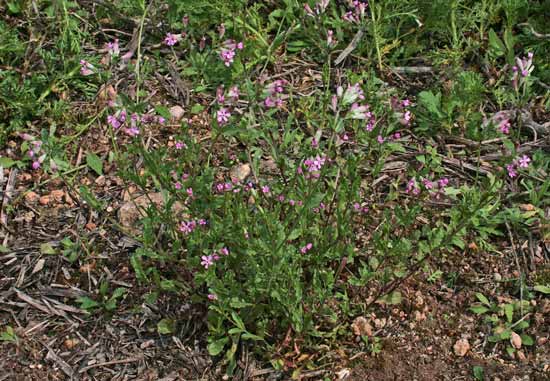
(265, 189)
(511, 168)
(427, 184)
(442, 183)
(189, 192)
(171, 39)
(380, 139)
(306, 248)
(35, 164)
(86, 68)
(504, 126)
(212, 297)
(207, 261)
(224, 251)
(113, 121)
(178, 185)
(180, 145)
(233, 93)
(113, 48)
(524, 161)
(223, 116)
(412, 187)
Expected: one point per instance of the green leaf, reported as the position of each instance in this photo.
(478, 373)
(216, 347)
(87, 303)
(483, 299)
(166, 326)
(4, 249)
(541, 288)
(163, 111)
(6, 162)
(509, 312)
(527, 340)
(94, 162)
(119, 291)
(496, 46)
(197, 108)
(8, 335)
(479, 309)
(237, 320)
(250, 336)
(431, 102)
(47, 248)
(237, 303)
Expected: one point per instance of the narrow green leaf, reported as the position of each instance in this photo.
(95, 163)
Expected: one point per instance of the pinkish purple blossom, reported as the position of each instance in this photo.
(86, 68)
(180, 145)
(212, 297)
(171, 39)
(265, 189)
(511, 168)
(223, 116)
(207, 261)
(523, 162)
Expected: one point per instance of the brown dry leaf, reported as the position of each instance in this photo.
(31, 197)
(57, 195)
(527, 207)
(45, 200)
(522, 357)
(71, 343)
(515, 340)
(461, 347)
(240, 172)
(361, 327)
(177, 112)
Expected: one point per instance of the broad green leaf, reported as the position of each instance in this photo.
(509, 312)
(483, 299)
(496, 45)
(216, 347)
(165, 326)
(87, 303)
(95, 163)
(541, 288)
(6, 162)
(479, 309)
(527, 340)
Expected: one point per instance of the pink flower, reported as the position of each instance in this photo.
(524, 161)
(504, 126)
(224, 251)
(233, 93)
(177, 185)
(189, 192)
(223, 116)
(132, 131)
(35, 164)
(171, 39)
(511, 168)
(113, 121)
(212, 297)
(240, 46)
(265, 189)
(306, 248)
(207, 261)
(380, 139)
(268, 102)
(443, 182)
(86, 68)
(180, 145)
(412, 187)
(427, 184)
(113, 48)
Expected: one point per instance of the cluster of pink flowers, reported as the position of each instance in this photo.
(313, 166)
(318, 209)
(352, 94)
(320, 7)
(172, 39)
(306, 248)
(359, 208)
(522, 70)
(228, 51)
(274, 93)
(209, 260)
(504, 126)
(429, 185)
(400, 107)
(357, 13)
(291, 202)
(522, 162)
(86, 68)
(131, 125)
(232, 96)
(113, 48)
(35, 152)
(187, 227)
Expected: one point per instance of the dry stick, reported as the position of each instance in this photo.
(107, 363)
(352, 45)
(7, 197)
(514, 251)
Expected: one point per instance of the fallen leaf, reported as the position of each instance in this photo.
(515, 340)
(39, 266)
(461, 347)
(361, 327)
(176, 112)
(240, 172)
